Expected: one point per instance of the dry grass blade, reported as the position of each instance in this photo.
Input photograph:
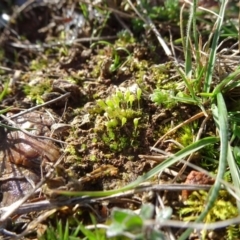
(193, 118)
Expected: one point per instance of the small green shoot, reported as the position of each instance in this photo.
(5, 91)
(117, 62)
(96, 234)
(60, 232)
(127, 223)
(84, 8)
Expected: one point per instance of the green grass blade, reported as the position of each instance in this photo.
(66, 231)
(224, 83)
(5, 110)
(235, 173)
(4, 93)
(187, 82)
(195, 33)
(222, 123)
(188, 50)
(167, 163)
(213, 51)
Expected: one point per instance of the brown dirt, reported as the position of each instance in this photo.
(41, 72)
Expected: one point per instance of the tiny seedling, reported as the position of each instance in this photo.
(120, 109)
(117, 62)
(5, 91)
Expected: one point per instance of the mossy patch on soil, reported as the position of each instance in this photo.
(125, 94)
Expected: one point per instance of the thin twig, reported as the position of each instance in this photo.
(181, 224)
(191, 155)
(27, 132)
(41, 105)
(42, 46)
(20, 208)
(14, 208)
(191, 119)
(149, 22)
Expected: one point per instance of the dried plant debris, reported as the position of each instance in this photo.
(22, 154)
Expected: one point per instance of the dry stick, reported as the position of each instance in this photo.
(112, 4)
(112, 9)
(12, 177)
(149, 22)
(193, 118)
(41, 105)
(190, 157)
(42, 46)
(28, 133)
(50, 204)
(156, 158)
(202, 8)
(6, 69)
(30, 110)
(35, 223)
(7, 234)
(181, 224)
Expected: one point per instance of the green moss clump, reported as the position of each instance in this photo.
(186, 136)
(36, 91)
(38, 64)
(163, 97)
(224, 208)
(71, 150)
